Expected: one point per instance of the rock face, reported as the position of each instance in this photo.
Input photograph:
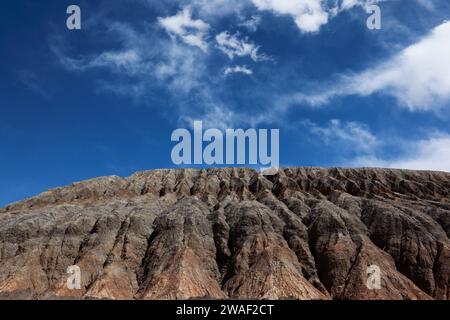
(304, 233)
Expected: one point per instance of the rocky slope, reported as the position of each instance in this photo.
(304, 233)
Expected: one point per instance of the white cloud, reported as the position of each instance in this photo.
(190, 31)
(233, 46)
(348, 135)
(251, 24)
(427, 154)
(418, 77)
(238, 69)
(309, 15)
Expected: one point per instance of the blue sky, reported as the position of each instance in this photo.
(105, 99)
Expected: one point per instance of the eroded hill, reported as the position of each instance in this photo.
(304, 233)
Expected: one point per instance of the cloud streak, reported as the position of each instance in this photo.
(191, 31)
(426, 154)
(234, 46)
(238, 69)
(418, 77)
(348, 134)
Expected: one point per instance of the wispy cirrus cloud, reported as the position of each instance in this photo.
(191, 31)
(352, 135)
(139, 68)
(127, 60)
(233, 45)
(238, 69)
